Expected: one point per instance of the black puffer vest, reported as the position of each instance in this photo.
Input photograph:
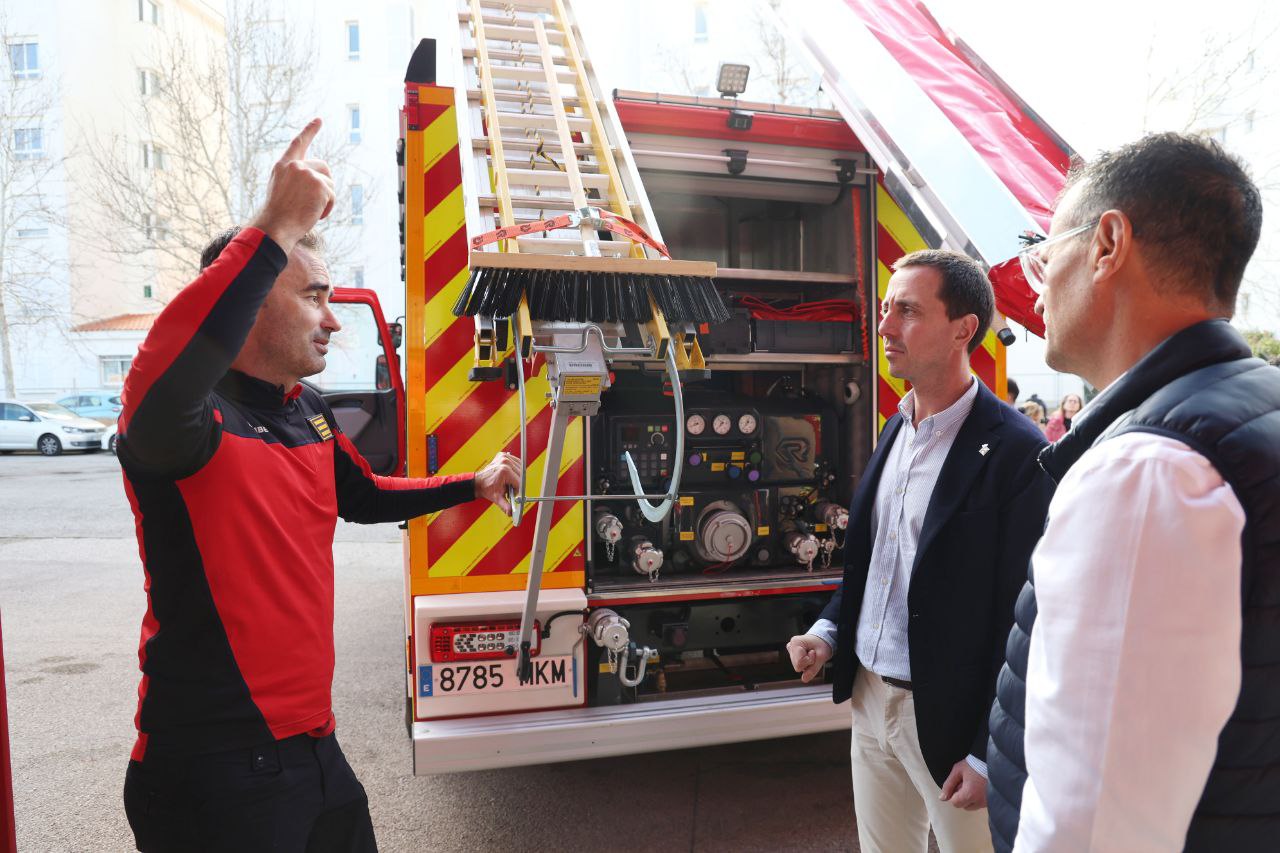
(1201, 387)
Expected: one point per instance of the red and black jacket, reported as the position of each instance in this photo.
(236, 486)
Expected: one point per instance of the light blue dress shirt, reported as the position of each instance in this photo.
(910, 473)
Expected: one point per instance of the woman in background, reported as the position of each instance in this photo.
(1060, 420)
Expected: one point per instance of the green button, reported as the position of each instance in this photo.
(756, 457)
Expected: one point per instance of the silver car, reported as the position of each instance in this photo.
(46, 427)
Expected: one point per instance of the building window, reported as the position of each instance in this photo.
(112, 369)
(357, 276)
(146, 291)
(28, 143)
(149, 11)
(357, 204)
(156, 228)
(152, 156)
(148, 82)
(353, 40)
(24, 57)
(353, 119)
(700, 23)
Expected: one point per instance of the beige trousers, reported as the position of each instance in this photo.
(894, 797)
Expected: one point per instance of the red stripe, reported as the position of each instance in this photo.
(444, 262)
(449, 526)
(887, 249)
(517, 543)
(467, 417)
(428, 113)
(984, 365)
(888, 399)
(447, 349)
(181, 319)
(441, 179)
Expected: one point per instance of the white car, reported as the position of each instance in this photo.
(109, 437)
(46, 427)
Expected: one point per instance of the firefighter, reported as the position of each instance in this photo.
(237, 473)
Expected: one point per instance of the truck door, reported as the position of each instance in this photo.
(361, 381)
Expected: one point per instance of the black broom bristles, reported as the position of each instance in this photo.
(577, 296)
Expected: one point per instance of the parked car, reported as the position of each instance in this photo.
(109, 437)
(102, 405)
(46, 427)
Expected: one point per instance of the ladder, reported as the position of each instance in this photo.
(545, 142)
(545, 138)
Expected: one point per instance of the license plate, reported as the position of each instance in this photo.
(456, 679)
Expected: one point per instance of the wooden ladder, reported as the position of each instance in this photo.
(545, 140)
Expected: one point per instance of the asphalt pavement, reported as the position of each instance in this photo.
(71, 601)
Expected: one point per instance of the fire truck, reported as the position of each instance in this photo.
(613, 625)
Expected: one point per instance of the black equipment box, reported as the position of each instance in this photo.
(800, 336)
(732, 337)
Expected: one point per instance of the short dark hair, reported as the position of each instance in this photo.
(1187, 198)
(964, 289)
(311, 240)
(1014, 390)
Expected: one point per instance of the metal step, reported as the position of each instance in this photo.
(537, 737)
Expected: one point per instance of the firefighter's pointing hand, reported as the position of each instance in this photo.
(299, 194)
(493, 480)
(808, 655)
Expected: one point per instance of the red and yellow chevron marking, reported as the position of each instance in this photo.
(470, 548)
(895, 237)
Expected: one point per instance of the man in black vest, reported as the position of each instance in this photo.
(1141, 713)
(940, 531)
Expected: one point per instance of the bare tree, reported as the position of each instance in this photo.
(27, 215)
(213, 119)
(1220, 91)
(786, 77)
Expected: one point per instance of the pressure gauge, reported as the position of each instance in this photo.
(721, 424)
(695, 424)
(747, 424)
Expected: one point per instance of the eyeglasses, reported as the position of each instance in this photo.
(1032, 260)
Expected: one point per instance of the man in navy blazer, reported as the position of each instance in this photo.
(941, 529)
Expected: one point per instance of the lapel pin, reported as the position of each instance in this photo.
(984, 450)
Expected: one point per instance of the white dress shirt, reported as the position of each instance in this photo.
(1134, 663)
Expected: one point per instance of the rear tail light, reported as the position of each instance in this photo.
(455, 641)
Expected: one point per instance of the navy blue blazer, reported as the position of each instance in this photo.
(985, 516)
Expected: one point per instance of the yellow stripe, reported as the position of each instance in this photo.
(499, 428)
(467, 551)
(440, 308)
(442, 222)
(440, 137)
(898, 385)
(896, 223)
(566, 534)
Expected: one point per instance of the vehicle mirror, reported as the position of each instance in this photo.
(27, 418)
(397, 334)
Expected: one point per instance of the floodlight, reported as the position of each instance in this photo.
(732, 79)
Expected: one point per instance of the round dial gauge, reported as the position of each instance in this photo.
(747, 424)
(721, 424)
(695, 424)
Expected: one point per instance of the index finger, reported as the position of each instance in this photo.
(298, 147)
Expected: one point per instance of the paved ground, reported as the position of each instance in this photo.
(71, 602)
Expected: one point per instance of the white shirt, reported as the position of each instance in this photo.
(1134, 663)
